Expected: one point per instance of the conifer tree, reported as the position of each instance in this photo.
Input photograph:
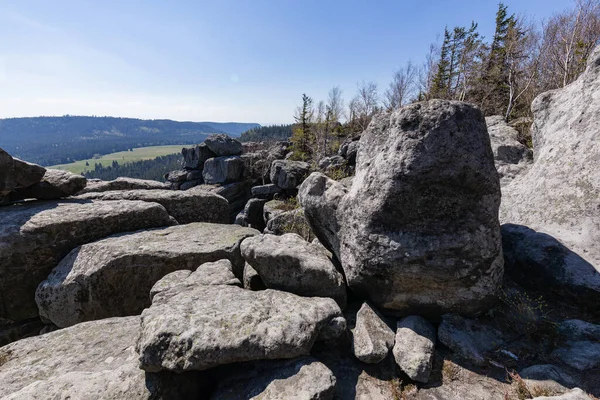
(303, 137)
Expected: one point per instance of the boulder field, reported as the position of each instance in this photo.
(395, 283)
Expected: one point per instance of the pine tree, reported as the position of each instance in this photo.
(303, 137)
(439, 88)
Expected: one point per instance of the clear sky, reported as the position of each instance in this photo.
(218, 60)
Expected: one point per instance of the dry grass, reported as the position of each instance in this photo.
(4, 357)
(289, 204)
(450, 371)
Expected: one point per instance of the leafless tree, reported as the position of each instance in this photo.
(401, 87)
(365, 104)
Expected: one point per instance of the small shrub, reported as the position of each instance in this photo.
(338, 173)
(529, 315)
(521, 388)
(289, 204)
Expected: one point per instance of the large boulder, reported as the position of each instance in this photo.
(292, 264)
(184, 206)
(303, 378)
(537, 260)
(123, 183)
(223, 145)
(55, 184)
(94, 360)
(34, 237)
(287, 174)
(559, 195)
(194, 157)
(511, 157)
(372, 338)
(414, 347)
(17, 174)
(223, 169)
(418, 229)
(197, 327)
(252, 215)
(112, 277)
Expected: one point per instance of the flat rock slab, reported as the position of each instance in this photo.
(469, 339)
(35, 236)
(292, 264)
(201, 327)
(94, 360)
(184, 206)
(123, 183)
(547, 377)
(55, 184)
(113, 276)
(372, 337)
(583, 355)
(303, 378)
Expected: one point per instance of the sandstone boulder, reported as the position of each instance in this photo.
(113, 277)
(223, 145)
(288, 174)
(252, 215)
(184, 206)
(511, 157)
(200, 327)
(34, 237)
(194, 157)
(303, 378)
(372, 337)
(223, 169)
(17, 174)
(123, 183)
(414, 347)
(292, 264)
(559, 195)
(418, 229)
(265, 191)
(94, 360)
(55, 184)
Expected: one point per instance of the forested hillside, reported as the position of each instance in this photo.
(267, 133)
(60, 140)
(501, 75)
(146, 169)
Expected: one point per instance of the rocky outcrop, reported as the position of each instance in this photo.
(224, 169)
(559, 196)
(34, 237)
(200, 327)
(184, 206)
(113, 277)
(418, 230)
(54, 185)
(94, 360)
(194, 157)
(288, 175)
(511, 157)
(16, 174)
(223, 145)
(252, 215)
(372, 337)
(301, 378)
(123, 183)
(292, 264)
(414, 347)
(535, 259)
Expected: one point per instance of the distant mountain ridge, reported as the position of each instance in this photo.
(60, 140)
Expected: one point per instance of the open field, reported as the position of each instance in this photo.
(122, 157)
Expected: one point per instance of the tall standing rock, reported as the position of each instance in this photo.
(223, 145)
(418, 229)
(560, 195)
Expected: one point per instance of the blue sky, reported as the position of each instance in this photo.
(215, 60)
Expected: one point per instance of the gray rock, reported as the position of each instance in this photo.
(113, 277)
(265, 191)
(168, 281)
(418, 230)
(372, 338)
(292, 264)
(54, 185)
(349, 150)
(302, 379)
(123, 183)
(223, 169)
(16, 174)
(257, 165)
(193, 176)
(414, 348)
(252, 215)
(200, 327)
(288, 174)
(329, 163)
(223, 145)
(273, 208)
(236, 193)
(184, 206)
(582, 355)
(34, 237)
(559, 196)
(547, 377)
(292, 221)
(575, 329)
(190, 184)
(575, 394)
(469, 339)
(194, 157)
(94, 360)
(252, 280)
(12, 331)
(511, 157)
(535, 259)
(177, 176)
